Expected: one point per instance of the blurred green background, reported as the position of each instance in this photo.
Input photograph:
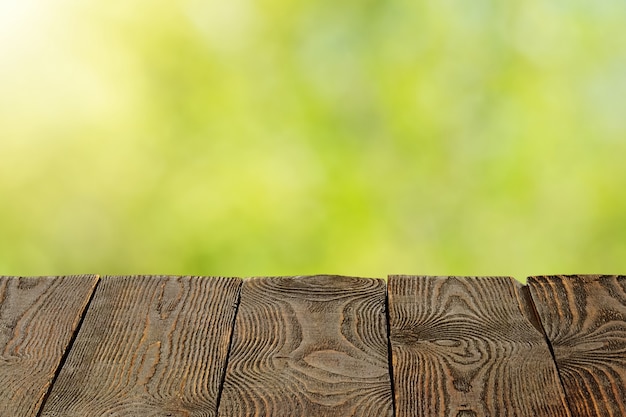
(269, 137)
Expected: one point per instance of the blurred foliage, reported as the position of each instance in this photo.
(267, 137)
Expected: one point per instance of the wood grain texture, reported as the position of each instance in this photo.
(585, 320)
(467, 347)
(38, 317)
(309, 346)
(149, 346)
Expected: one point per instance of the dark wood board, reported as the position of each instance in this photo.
(309, 346)
(584, 317)
(38, 317)
(149, 346)
(469, 347)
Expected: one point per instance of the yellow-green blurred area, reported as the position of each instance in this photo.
(273, 137)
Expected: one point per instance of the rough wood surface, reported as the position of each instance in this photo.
(585, 320)
(467, 347)
(149, 346)
(309, 346)
(38, 317)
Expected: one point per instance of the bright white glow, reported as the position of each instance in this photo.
(20, 17)
(55, 73)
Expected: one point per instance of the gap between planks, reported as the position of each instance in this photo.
(69, 347)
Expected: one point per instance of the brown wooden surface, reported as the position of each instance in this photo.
(312, 346)
(467, 347)
(309, 346)
(38, 317)
(149, 346)
(585, 320)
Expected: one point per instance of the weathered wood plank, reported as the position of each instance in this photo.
(38, 317)
(149, 346)
(585, 320)
(468, 347)
(309, 346)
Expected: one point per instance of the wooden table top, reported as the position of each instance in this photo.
(174, 346)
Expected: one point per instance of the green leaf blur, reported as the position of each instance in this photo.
(267, 137)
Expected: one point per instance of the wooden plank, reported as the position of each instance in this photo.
(469, 347)
(38, 317)
(585, 320)
(149, 346)
(309, 346)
